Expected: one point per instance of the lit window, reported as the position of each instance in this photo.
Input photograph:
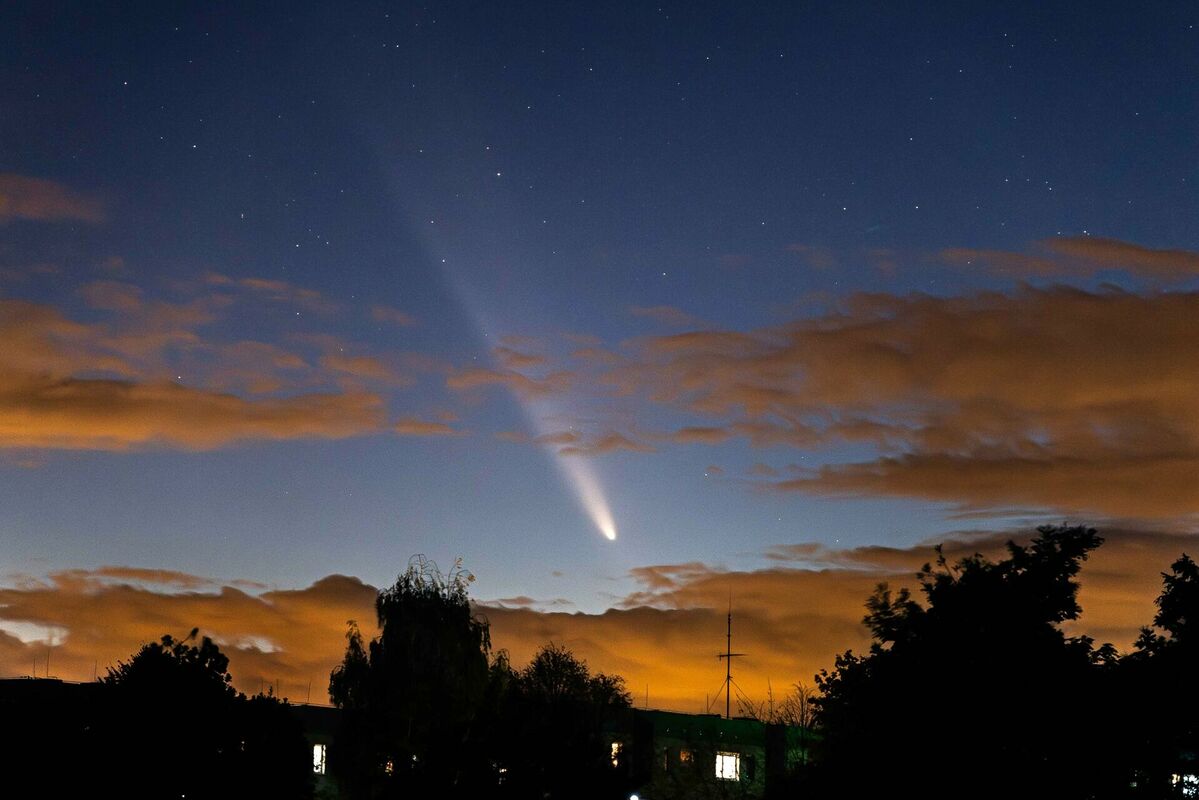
(319, 752)
(728, 766)
(617, 749)
(685, 757)
(1186, 785)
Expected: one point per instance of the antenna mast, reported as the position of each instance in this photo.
(727, 656)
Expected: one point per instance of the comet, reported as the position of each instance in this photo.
(576, 472)
(587, 489)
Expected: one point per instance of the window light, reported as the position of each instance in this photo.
(728, 766)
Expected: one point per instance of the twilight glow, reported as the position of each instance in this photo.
(781, 294)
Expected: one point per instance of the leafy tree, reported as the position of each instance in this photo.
(1177, 618)
(552, 741)
(172, 724)
(1163, 721)
(413, 695)
(976, 691)
(171, 666)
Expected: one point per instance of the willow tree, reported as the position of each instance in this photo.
(415, 695)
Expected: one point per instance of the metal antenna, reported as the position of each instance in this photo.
(728, 655)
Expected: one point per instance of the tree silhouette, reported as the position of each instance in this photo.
(414, 695)
(1160, 674)
(975, 691)
(172, 724)
(794, 708)
(553, 724)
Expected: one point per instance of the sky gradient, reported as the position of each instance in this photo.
(778, 294)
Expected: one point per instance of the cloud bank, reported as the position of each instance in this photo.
(1057, 397)
(791, 617)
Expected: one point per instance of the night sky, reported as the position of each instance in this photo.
(777, 294)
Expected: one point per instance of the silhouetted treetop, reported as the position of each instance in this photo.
(550, 739)
(1035, 583)
(424, 599)
(556, 675)
(414, 694)
(173, 664)
(1177, 609)
(975, 671)
(175, 726)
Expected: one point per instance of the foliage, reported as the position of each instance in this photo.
(172, 665)
(977, 683)
(173, 723)
(1163, 723)
(428, 712)
(552, 741)
(413, 695)
(1177, 616)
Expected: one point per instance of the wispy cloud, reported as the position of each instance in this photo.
(40, 200)
(523, 385)
(1081, 256)
(603, 444)
(669, 316)
(413, 426)
(393, 316)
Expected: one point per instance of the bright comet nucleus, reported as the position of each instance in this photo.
(591, 495)
(575, 470)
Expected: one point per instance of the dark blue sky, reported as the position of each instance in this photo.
(576, 175)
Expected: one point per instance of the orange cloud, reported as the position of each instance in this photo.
(814, 256)
(1082, 256)
(558, 438)
(1115, 254)
(1057, 398)
(292, 637)
(607, 443)
(365, 368)
(700, 435)
(145, 376)
(790, 618)
(793, 619)
(40, 200)
(522, 385)
(255, 367)
(112, 296)
(71, 413)
(275, 290)
(515, 359)
(392, 316)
